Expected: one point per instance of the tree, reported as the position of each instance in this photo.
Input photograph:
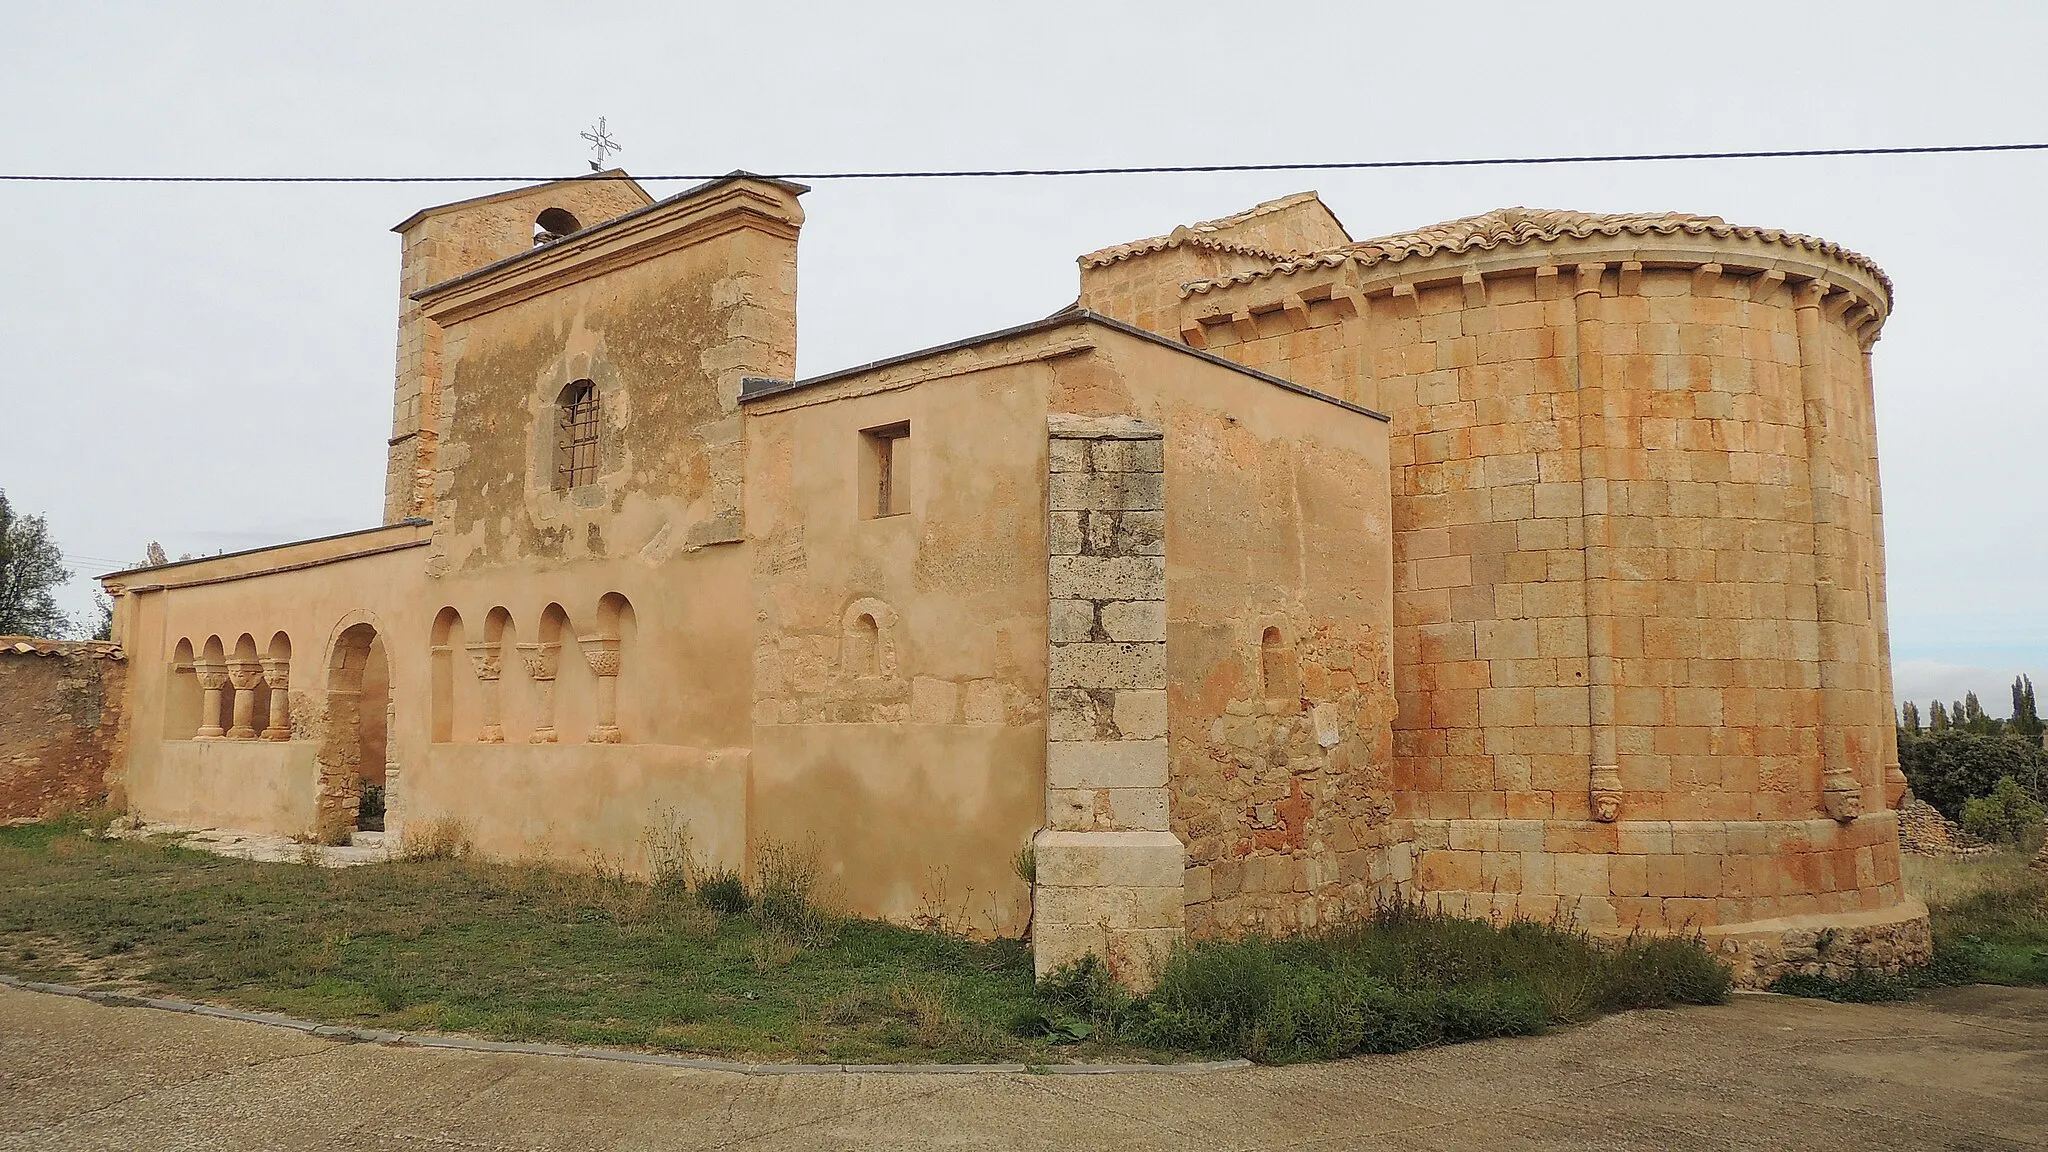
(1951, 768)
(2007, 816)
(2026, 719)
(1937, 717)
(1971, 717)
(31, 568)
(1909, 719)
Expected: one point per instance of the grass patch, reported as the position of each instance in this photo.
(705, 963)
(507, 951)
(1992, 918)
(1990, 921)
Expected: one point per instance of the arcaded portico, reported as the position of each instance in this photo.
(1530, 564)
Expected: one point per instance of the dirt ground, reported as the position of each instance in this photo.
(1963, 1069)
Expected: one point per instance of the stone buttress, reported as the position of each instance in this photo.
(1109, 873)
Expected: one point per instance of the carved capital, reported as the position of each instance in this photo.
(1895, 786)
(245, 675)
(1605, 793)
(1841, 796)
(602, 653)
(212, 677)
(486, 659)
(278, 674)
(540, 659)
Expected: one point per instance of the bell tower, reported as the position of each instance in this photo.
(446, 241)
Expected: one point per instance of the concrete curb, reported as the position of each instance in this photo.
(618, 1055)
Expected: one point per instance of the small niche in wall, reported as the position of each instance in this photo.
(883, 475)
(182, 695)
(1279, 674)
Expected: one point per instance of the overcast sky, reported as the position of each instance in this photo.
(211, 366)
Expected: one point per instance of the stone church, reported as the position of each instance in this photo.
(1527, 564)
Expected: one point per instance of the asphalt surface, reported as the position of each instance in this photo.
(1964, 1069)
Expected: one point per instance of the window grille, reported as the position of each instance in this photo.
(576, 436)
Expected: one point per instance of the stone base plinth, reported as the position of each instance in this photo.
(1117, 895)
(1835, 945)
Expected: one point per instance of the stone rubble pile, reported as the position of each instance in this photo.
(1924, 831)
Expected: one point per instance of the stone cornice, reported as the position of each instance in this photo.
(1856, 292)
(288, 557)
(1514, 241)
(727, 206)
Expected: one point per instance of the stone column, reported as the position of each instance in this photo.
(603, 656)
(1588, 332)
(213, 680)
(1888, 732)
(277, 675)
(540, 661)
(246, 676)
(484, 657)
(391, 774)
(1109, 871)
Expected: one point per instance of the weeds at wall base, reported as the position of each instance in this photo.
(1400, 978)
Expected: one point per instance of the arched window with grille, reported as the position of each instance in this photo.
(576, 425)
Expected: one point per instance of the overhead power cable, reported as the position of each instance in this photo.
(1133, 170)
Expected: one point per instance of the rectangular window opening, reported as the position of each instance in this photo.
(882, 470)
(576, 432)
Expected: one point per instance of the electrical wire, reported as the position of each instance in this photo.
(1131, 170)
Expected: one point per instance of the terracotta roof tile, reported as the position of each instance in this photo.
(40, 646)
(1202, 235)
(1512, 227)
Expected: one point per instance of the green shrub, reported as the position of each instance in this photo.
(1862, 987)
(2007, 816)
(670, 863)
(1085, 989)
(787, 894)
(1658, 971)
(724, 892)
(1241, 997)
(1947, 769)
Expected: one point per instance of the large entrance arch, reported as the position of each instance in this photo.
(352, 754)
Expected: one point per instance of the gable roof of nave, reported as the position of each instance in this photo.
(1204, 234)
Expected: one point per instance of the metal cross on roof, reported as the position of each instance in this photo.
(601, 142)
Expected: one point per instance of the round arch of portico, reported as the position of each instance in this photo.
(349, 620)
(338, 790)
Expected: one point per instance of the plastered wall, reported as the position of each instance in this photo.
(899, 676)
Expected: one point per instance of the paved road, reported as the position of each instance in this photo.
(1967, 1069)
